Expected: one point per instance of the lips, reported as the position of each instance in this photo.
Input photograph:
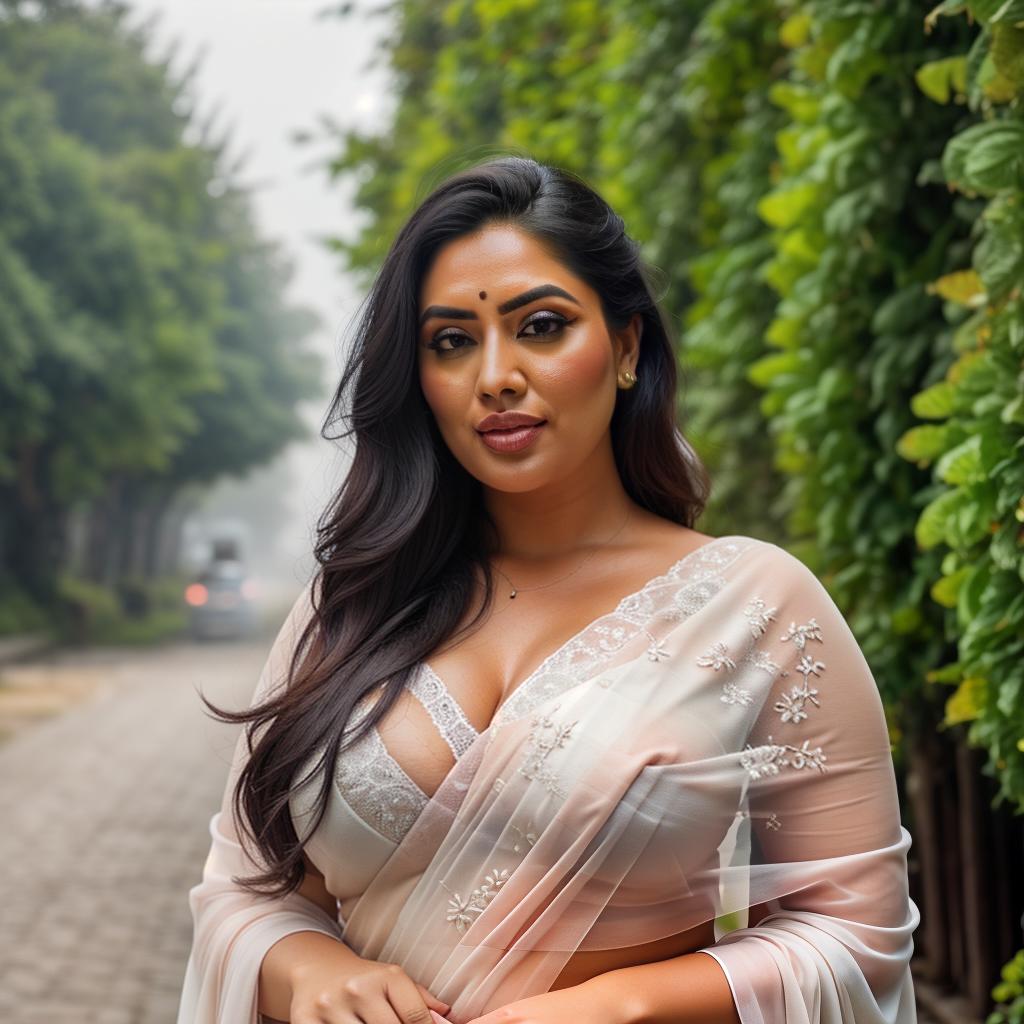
(507, 421)
(513, 440)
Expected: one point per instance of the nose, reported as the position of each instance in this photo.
(499, 370)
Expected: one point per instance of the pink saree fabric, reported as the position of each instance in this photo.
(715, 742)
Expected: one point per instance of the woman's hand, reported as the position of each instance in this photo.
(364, 990)
(597, 1001)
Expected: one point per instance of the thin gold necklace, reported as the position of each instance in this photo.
(543, 586)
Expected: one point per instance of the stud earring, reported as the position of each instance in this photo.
(627, 380)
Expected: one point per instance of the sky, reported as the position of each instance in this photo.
(268, 68)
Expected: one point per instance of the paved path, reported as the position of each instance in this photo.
(104, 811)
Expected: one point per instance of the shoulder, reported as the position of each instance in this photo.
(786, 585)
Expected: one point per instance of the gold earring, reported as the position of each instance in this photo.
(627, 380)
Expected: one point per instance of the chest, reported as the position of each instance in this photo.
(476, 672)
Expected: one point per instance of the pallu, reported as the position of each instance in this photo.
(715, 743)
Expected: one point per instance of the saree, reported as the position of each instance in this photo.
(715, 742)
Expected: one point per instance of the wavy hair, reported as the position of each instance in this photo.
(400, 545)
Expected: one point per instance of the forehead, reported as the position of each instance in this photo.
(495, 257)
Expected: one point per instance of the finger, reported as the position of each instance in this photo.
(432, 1001)
(410, 1003)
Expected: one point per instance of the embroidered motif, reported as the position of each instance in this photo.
(541, 745)
(801, 634)
(765, 759)
(733, 694)
(791, 706)
(655, 651)
(716, 657)
(461, 911)
(524, 837)
(758, 616)
(773, 823)
(760, 659)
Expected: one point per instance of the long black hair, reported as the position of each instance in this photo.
(403, 541)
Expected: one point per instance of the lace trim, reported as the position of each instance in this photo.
(376, 786)
(677, 594)
(451, 721)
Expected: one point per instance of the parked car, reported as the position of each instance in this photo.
(222, 602)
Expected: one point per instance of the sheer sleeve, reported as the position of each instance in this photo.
(232, 928)
(836, 947)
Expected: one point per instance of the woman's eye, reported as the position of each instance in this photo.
(435, 343)
(551, 324)
(543, 325)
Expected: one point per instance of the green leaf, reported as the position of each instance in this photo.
(962, 464)
(922, 444)
(935, 402)
(1008, 53)
(938, 79)
(996, 161)
(933, 523)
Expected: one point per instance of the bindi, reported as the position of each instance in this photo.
(483, 295)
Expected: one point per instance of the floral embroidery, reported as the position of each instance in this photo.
(541, 745)
(801, 634)
(760, 659)
(528, 837)
(758, 616)
(716, 657)
(765, 759)
(773, 823)
(791, 706)
(461, 911)
(733, 694)
(655, 650)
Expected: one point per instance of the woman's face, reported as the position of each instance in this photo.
(486, 346)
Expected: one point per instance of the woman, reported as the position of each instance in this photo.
(596, 765)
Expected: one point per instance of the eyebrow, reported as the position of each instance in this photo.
(540, 292)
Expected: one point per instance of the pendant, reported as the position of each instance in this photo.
(513, 594)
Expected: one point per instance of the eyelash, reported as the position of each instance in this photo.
(560, 323)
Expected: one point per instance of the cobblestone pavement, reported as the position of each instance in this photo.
(105, 811)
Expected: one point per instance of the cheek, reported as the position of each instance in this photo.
(439, 392)
(578, 375)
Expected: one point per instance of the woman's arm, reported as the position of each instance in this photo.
(826, 835)
(687, 989)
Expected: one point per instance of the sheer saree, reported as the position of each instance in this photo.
(715, 742)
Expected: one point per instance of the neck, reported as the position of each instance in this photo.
(542, 526)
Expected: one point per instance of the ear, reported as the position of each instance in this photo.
(627, 344)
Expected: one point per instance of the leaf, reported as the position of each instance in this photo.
(922, 444)
(994, 158)
(932, 524)
(935, 402)
(962, 286)
(785, 207)
(938, 78)
(945, 591)
(1011, 12)
(1008, 53)
(968, 701)
(963, 464)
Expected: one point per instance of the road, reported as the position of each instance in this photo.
(105, 809)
